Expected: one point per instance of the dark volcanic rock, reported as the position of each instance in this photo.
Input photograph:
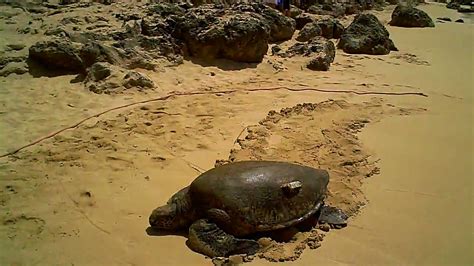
(61, 54)
(404, 16)
(366, 35)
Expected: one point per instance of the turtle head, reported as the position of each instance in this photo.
(166, 218)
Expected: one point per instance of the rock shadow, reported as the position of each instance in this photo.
(38, 70)
(156, 232)
(223, 64)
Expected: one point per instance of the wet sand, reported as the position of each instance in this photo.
(84, 196)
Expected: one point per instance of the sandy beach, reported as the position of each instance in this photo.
(402, 165)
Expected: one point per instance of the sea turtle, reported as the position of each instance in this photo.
(225, 204)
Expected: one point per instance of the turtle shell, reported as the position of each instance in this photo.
(259, 195)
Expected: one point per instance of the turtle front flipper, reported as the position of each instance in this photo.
(333, 216)
(208, 239)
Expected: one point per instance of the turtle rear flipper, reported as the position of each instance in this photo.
(333, 216)
(208, 239)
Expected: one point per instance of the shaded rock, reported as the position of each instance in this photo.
(136, 79)
(295, 11)
(303, 19)
(96, 52)
(319, 63)
(330, 28)
(366, 35)
(165, 9)
(321, 51)
(5, 60)
(444, 19)
(308, 32)
(404, 16)
(210, 32)
(14, 68)
(61, 54)
(99, 71)
(281, 27)
(15, 47)
(459, 21)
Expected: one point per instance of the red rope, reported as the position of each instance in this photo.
(163, 98)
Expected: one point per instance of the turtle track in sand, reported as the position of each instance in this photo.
(321, 135)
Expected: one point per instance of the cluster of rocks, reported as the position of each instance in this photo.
(461, 6)
(242, 32)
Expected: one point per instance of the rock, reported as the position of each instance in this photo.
(319, 63)
(14, 68)
(99, 71)
(331, 28)
(136, 79)
(281, 27)
(327, 28)
(61, 54)
(366, 35)
(459, 21)
(444, 19)
(404, 16)
(302, 20)
(210, 32)
(15, 47)
(321, 51)
(456, 4)
(5, 60)
(295, 11)
(462, 9)
(93, 52)
(308, 32)
(453, 5)
(324, 227)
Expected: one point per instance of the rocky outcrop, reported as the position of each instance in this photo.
(411, 17)
(366, 35)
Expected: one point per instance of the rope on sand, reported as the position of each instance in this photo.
(178, 94)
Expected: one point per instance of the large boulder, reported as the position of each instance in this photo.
(366, 35)
(406, 16)
(240, 33)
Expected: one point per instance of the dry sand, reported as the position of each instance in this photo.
(84, 197)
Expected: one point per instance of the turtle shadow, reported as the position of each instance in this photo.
(156, 232)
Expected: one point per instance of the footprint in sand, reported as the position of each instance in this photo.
(23, 226)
